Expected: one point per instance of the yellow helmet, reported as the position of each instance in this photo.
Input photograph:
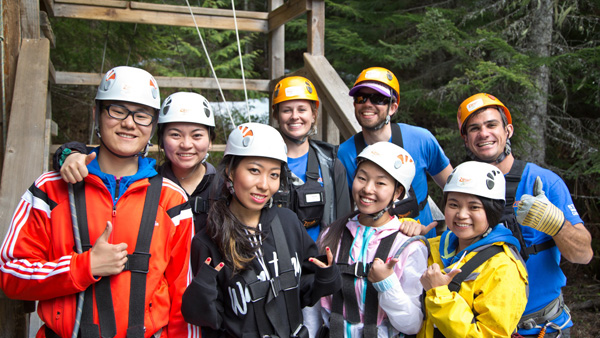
(370, 76)
(295, 88)
(478, 101)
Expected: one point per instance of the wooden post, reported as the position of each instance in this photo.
(22, 161)
(30, 19)
(277, 54)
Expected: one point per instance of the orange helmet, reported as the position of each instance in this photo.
(295, 88)
(478, 101)
(369, 78)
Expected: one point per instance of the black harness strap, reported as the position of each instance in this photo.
(466, 270)
(106, 312)
(312, 168)
(346, 298)
(360, 144)
(263, 293)
(473, 264)
(139, 262)
(513, 178)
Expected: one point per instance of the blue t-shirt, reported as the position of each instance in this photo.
(545, 275)
(298, 167)
(425, 150)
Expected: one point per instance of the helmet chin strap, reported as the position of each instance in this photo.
(377, 215)
(303, 139)
(507, 151)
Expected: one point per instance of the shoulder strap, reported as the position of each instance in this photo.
(312, 168)
(139, 262)
(513, 177)
(397, 135)
(359, 142)
(473, 264)
(106, 312)
(359, 138)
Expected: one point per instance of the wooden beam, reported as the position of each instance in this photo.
(100, 3)
(153, 149)
(25, 139)
(85, 10)
(288, 12)
(199, 10)
(93, 79)
(49, 7)
(333, 93)
(30, 19)
(316, 28)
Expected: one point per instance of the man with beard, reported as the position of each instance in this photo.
(376, 94)
(544, 210)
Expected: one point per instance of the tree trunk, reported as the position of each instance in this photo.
(538, 42)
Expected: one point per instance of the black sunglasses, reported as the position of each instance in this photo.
(376, 99)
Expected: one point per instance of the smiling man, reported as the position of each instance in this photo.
(376, 95)
(485, 125)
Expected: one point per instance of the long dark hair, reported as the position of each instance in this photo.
(226, 231)
(493, 208)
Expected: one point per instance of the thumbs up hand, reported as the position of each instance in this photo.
(107, 259)
(538, 212)
(381, 270)
(74, 169)
(433, 277)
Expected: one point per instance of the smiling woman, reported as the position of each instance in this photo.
(253, 263)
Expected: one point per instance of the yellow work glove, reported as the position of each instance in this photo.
(537, 211)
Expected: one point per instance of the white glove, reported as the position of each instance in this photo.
(537, 212)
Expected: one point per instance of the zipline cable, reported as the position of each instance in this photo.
(237, 35)
(210, 63)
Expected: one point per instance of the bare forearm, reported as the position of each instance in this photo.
(575, 243)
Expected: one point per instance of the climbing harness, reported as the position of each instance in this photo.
(137, 263)
(509, 219)
(263, 293)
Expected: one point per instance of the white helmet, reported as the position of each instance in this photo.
(393, 159)
(477, 178)
(256, 139)
(129, 84)
(186, 107)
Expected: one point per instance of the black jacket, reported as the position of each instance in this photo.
(218, 301)
(199, 199)
(337, 195)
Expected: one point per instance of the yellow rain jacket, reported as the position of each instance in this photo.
(489, 303)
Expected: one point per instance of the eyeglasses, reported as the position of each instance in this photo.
(121, 113)
(376, 99)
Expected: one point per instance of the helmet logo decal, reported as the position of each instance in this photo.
(276, 92)
(206, 108)
(166, 105)
(401, 160)
(372, 74)
(246, 134)
(109, 81)
(475, 104)
(308, 87)
(389, 76)
(492, 97)
(154, 89)
(294, 91)
(463, 181)
(489, 182)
